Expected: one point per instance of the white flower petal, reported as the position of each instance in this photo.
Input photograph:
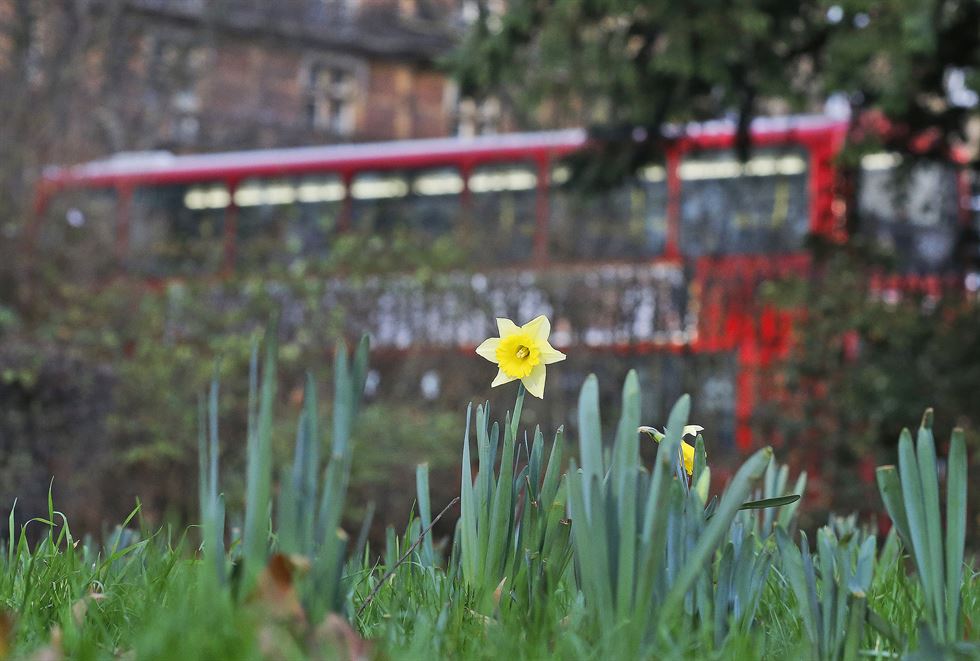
(501, 379)
(692, 430)
(534, 382)
(489, 349)
(550, 355)
(652, 432)
(539, 328)
(506, 327)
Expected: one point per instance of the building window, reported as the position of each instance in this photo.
(186, 106)
(331, 91)
(474, 117)
(338, 7)
(469, 11)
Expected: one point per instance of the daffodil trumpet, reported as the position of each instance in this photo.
(521, 352)
(687, 450)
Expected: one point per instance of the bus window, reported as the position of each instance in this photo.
(503, 216)
(434, 205)
(408, 211)
(377, 202)
(713, 379)
(284, 221)
(910, 212)
(177, 229)
(729, 207)
(78, 233)
(627, 222)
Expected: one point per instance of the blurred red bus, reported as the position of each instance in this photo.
(660, 273)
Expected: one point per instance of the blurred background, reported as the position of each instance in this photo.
(772, 206)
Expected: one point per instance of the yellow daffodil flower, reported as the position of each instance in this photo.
(687, 450)
(521, 352)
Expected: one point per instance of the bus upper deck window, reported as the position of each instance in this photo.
(437, 183)
(730, 207)
(177, 229)
(287, 221)
(78, 233)
(628, 221)
(503, 216)
(909, 210)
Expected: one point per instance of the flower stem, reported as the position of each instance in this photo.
(518, 407)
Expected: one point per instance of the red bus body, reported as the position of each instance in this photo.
(729, 318)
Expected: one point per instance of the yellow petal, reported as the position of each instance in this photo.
(506, 327)
(501, 379)
(688, 451)
(489, 349)
(539, 328)
(549, 354)
(534, 382)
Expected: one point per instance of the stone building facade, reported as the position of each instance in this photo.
(84, 79)
(233, 74)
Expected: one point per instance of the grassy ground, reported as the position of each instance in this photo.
(605, 559)
(152, 599)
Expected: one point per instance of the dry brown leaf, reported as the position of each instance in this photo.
(6, 633)
(52, 651)
(336, 633)
(276, 643)
(480, 617)
(275, 592)
(300, 564)
(78, 610)
(80, 607)
(499, 591)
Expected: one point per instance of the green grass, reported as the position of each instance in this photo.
(613, 560)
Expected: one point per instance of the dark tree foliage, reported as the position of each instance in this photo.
(909, 71)
(866, 365)
(627, 68)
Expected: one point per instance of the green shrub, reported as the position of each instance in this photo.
(861, 365)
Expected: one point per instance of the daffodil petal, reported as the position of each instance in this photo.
(506, 327)
(539, 328)
(550, 355)
(534, 382)
(653, 433)
(488, 349)
(692, 430)
(501, 379)
(688, 450)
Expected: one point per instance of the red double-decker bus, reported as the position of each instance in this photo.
(660, 273)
